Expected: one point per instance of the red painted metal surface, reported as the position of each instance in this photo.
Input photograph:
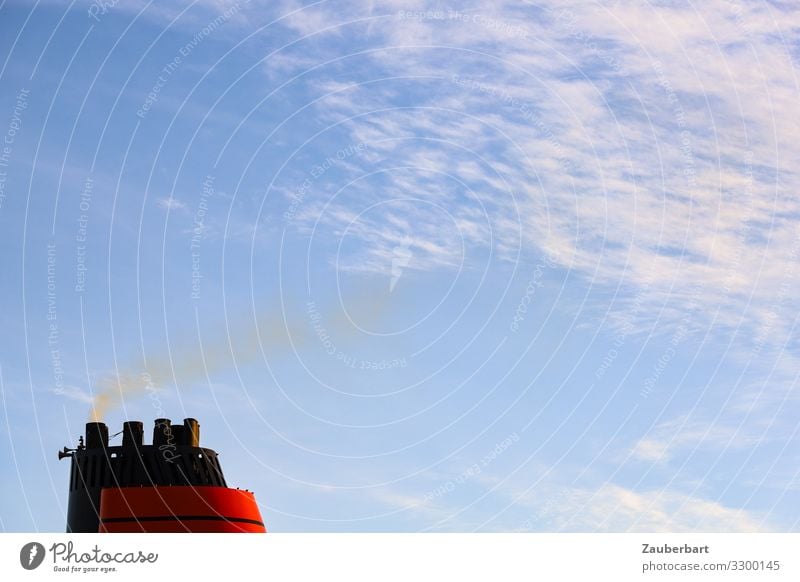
(179, 509)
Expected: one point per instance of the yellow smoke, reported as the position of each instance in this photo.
(222, 350)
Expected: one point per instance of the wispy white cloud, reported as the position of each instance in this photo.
(551, 506)
(75, 393)
(638, 143)
(683, 435)
(612, 508)
(170, 203)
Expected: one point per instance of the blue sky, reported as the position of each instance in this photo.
(414, 267)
